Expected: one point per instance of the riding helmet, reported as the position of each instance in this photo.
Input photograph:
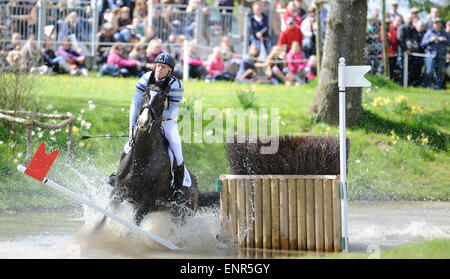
(165, 58)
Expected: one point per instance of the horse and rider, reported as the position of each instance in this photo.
(144, 176)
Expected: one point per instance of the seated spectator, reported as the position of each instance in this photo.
(153, 50)
(311, 69)
(16, 42)
(139, 54)
(123, 24)
(247, 68)
(31, 57)
(56, 64)
(196, 64)
(119, 64)
(105, 38)
(275, 69)
(75, 58)
(259, 27)
(291, 34)
(216, 67)
(296, 63)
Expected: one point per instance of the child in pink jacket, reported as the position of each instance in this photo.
(296, 62)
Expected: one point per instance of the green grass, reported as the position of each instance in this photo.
(433, 249)
(398, 151)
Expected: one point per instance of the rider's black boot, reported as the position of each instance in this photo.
(179, 176)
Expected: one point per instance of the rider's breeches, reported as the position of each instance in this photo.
(173, 136)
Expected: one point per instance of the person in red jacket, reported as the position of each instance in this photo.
(291, 34)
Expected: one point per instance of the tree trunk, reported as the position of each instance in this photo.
(344, 37)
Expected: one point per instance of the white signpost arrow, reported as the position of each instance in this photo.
(348, 76)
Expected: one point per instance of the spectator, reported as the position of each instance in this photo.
(392, 46)
(415, 15)
(309, 33)
(435, 42)
(408, 41)
(291, 34)
(418, 61)
(276, 21)
(31, 57)
(311, 68)
(118, 64)
(75, 58)
(296, 63)
(447, 60)
(299, 6)
(139, 54)
(140, 10)
(291, 12)
(16, 42)
(259, 27)
(216, 67)
(247, 68)
(373, 48)
(105, 40)
(226, 13)
(277, 70)
(70, 26)
(394, 11)
(196, 64)
(191, 23)
(56, 64)
(123, 24)
(104, 8)
(434, 13)
(153, 50)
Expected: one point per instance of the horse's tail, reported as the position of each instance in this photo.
(208, 199)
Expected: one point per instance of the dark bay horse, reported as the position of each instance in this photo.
(144, 174)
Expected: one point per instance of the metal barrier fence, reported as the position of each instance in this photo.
(205, 25)
(51, 19)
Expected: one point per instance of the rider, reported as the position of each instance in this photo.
(162, 76)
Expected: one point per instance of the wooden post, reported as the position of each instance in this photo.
(301, 213)
(292, 205)
(337, 223)
(275, 202)
(258, 214)
(69, 143)
(284, 214)
(240, 190)
(318, 211)
(250, 214)
(267, 216)
(224, 215)
(29, 144)
(232, 206)
(310, 226)
(328, 214)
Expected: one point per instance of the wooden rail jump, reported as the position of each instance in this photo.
(68, 120)
(287, 212)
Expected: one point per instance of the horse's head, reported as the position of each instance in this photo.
(152, 107)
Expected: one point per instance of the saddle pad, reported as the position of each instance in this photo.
(187, 181)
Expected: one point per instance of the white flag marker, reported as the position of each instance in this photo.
(348, 76)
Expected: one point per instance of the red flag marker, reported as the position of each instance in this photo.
(41, 162)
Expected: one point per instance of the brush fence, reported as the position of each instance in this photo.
(288, 212)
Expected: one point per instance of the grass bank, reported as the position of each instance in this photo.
(398, 151)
